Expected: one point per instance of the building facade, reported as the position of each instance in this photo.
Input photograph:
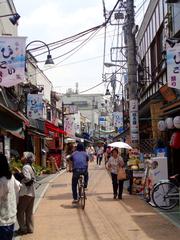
(157, 100)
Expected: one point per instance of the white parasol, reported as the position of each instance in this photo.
(120, 145)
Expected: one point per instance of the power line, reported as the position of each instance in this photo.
(92, 87)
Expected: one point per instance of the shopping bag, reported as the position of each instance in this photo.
(121, 174)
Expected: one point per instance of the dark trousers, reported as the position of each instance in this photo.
(99, 159)
(6, 232)
(75, 177)
(25, 213)
(117, 185)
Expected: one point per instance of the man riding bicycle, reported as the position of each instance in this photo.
(79, 167)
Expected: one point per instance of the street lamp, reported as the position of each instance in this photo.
(106, 64)
(49, 60)
(13, 19)
(115, 97)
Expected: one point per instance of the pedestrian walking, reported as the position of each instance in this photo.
(100, 152)
(107, 154)
(27, 196)
(9, 189)
(90, 151)
(113, 165)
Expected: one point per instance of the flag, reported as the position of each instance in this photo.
(12, 60)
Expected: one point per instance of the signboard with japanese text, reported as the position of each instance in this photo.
(69, 125)
(70, 109)
(134, 121)
(102, 120)
(173, 66)
(118, 119)
(12, 60)
(35, 106)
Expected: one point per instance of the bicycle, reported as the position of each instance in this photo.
(82, 192)
(165, 194)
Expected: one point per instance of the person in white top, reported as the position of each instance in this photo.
(113, 164)
(9, 188)
(27, 196)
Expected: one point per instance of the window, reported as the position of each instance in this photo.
(157, 17)
(161, 11)
(159, 44)
(153, 60)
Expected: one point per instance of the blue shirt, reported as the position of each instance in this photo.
(79, 160)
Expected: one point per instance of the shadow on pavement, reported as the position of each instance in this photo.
(63, 196)
(149, 220)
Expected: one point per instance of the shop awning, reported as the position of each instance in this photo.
(34, 132)
(11, 122)
(49, 128)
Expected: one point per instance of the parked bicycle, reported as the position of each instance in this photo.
(165, 194)
(82, 192)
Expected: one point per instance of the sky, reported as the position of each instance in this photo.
(54, 20)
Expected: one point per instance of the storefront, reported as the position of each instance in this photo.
(12, 130)
(54, 142)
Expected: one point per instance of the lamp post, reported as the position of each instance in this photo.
(115, 99)
(14, 17)
(49, 60)
(108, 65)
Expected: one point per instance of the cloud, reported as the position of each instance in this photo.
(54, 20)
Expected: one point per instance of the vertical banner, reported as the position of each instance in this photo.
(35, 106)
(173, 66)
(118, 119)
(69, 125)
(12, 60)
(102, 121)
(134, 121)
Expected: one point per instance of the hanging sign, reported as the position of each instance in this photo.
(173, 66)
(35, 106)
(118, 119)
(134, 121)
(69, 125)
(12, 60)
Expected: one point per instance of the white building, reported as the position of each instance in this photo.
(89, 106)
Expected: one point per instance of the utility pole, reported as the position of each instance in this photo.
(132, 75)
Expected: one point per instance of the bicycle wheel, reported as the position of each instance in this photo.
(165, 195)
(83, 198)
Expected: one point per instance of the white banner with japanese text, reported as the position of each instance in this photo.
(35, 106)
(134, 121)
(118, 119)
(173, 66)
(12, 60)
(69, 125)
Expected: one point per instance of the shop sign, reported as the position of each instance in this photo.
(69, 125)
(173, 66)
(134, 120)
(167, 93)
(118, 119)
(70, 109)
(12, 60)
(35, 106)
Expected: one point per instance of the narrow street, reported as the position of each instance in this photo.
(103, 218)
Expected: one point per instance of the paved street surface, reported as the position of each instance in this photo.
(103, 218)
